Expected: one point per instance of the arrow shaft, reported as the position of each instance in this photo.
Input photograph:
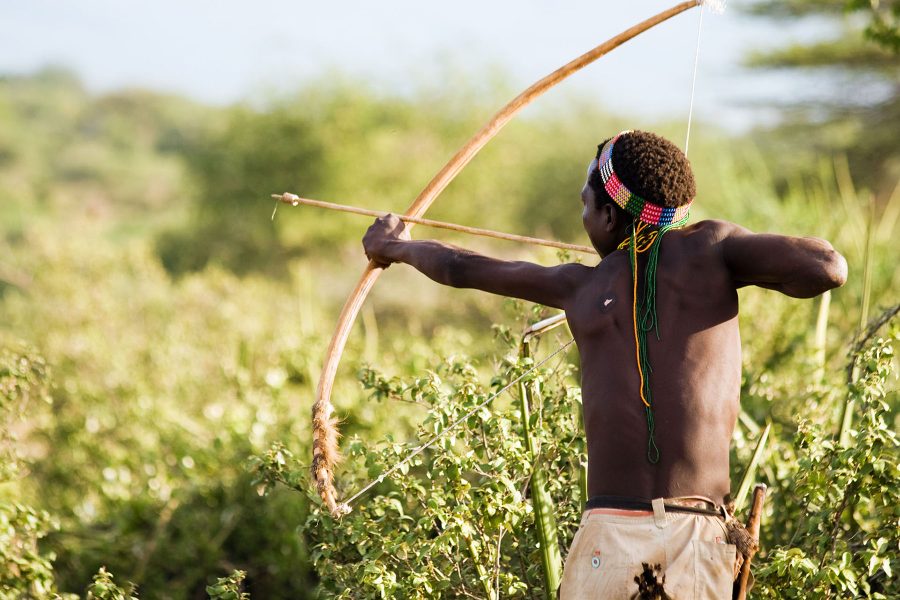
(499, 235)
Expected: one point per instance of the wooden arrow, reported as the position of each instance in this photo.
(295, 200)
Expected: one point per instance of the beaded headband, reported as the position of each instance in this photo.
(644, 210)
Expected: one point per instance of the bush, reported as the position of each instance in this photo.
(459, 520)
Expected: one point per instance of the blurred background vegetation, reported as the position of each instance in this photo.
(158, 330)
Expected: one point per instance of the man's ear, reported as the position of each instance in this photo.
(609, 217)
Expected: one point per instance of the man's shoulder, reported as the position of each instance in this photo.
(574, 276)
(718, 229)
(702, 244)
(708, 234)
(575, 272)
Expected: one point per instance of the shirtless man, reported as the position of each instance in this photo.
(657, 475)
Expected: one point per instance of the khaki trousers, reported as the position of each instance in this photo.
(611, 545)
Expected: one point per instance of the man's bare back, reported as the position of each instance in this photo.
(696, 372)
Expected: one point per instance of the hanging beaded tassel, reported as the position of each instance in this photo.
(643, 238)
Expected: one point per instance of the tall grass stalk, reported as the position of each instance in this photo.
(889, 216)
(370, 333)
(821, 339)
(308, 305)
(867, 268)
(847, 412)
(544, 515)
(750, 471)
(483, 576)
(748, 422)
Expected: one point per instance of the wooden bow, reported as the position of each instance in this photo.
(325, 433)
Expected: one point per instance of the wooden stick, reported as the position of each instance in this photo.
(294, 200)
(753, 521)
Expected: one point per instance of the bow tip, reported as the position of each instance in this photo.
(716, 6)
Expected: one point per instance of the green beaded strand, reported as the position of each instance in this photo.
(649, 320)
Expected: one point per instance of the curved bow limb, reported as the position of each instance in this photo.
(325, 434)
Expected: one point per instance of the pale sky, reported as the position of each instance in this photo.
(223, 51)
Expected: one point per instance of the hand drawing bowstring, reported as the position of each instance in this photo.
(324, 424)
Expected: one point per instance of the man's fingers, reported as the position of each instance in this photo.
(381, 232)
(379, 264)
(396, 226)
(391, 220)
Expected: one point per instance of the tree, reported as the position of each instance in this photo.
(861, 60)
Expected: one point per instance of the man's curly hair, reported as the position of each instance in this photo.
(650, 166)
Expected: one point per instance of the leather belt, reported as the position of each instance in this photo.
(626, 503)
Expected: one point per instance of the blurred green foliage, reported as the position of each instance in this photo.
(141, 453)
(842, 509)
(104, 588)
(228, 588)
(880, 20)
(253, 151)
(161, 338)
(855, 63)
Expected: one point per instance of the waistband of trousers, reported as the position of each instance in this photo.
(696, 505)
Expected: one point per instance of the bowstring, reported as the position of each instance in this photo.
(687, 138)
(346, 504)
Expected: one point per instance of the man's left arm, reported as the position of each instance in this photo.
(386, 242)
(801, 267)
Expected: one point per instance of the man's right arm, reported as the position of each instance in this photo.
(801, 267)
